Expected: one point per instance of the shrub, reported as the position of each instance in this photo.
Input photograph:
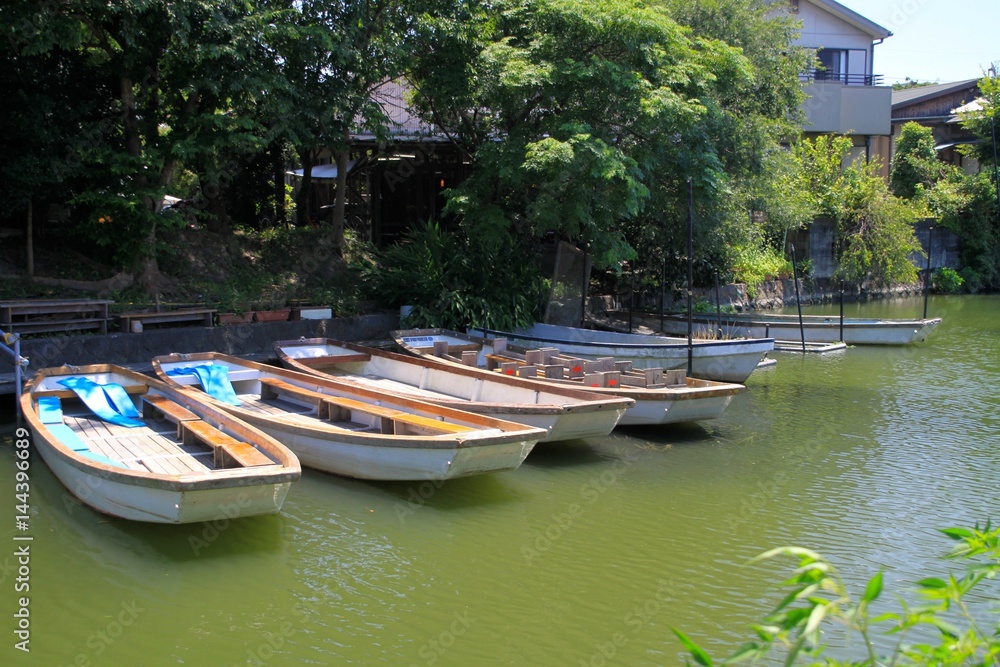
(947, 281)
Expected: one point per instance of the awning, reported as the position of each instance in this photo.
(941, 147)
(322, 171)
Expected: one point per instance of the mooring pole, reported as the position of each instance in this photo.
(927, 271)
(14, 351)
(631, 295)
(841, 311)
(718, 307)
(583, 289)
(690, 276)
(798, 301)
(663, 289)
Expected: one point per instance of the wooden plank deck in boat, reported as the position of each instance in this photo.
(158, 451)
(282, 407)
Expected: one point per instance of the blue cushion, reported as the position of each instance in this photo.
(50, 409)
(93, 396)
(68, 437)
(120, 399)
(214, 380)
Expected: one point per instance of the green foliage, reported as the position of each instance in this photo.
(451, 283)
(754, 263)
(874, 229)
(818, 597)
(606, 109)
(915, 165)
(947, 281)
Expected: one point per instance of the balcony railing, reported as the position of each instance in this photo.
(847, 79)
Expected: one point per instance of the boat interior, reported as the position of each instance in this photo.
(171, 439)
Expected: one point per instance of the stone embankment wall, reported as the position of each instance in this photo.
(769, 296)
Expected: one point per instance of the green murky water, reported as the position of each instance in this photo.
(586, 555)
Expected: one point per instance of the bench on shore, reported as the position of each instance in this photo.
(187, 317)
(54, 315)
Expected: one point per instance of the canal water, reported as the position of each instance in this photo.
(587, 555)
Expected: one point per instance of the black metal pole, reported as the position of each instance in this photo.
(583, 289)
(631, 295)
(663, 289)
(927, 271)
(718, 307)
(841, 311)
(690, 276)
(798, 301)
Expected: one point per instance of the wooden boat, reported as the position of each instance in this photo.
(817, 328)
(356, 431)
(722, 360)
(165, 456)
(661, 396)
(565, 413)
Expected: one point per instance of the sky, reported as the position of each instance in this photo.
(934, 40)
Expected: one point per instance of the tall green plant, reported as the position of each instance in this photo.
(874, 228)
(818, 597)
(452, 283)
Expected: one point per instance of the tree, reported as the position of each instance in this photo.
(168, 75)
(874, 229)
(572, 113)
(915, 164)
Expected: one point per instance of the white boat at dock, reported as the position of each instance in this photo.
(130, 446)
(347, 429)
(661, 396)
(817, 328)
(720, 360)
(564, 412)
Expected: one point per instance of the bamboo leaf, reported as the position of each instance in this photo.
(874, 588)
(696, 651)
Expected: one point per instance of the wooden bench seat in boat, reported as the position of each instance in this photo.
(136, 389)
(159, 406)
(333, 408)
(229, 452)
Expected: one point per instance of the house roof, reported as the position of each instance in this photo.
(903, 98)
(857, 20)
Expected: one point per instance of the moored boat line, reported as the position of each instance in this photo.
(661, 397)
(719, 360)
(564, 412)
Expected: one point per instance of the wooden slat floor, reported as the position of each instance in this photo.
(279, 407)
(154, 448)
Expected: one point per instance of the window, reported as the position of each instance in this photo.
(833, 64)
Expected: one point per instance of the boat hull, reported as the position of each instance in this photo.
(137, 503)
(141, 495)
(696, 400)
(564, 413)
(721, 361)
(817, 328)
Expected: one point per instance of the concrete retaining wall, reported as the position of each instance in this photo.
(242, 340)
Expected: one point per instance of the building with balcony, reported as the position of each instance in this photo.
(845, 96)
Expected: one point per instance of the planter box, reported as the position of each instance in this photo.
(226, 319)
(271, 315)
